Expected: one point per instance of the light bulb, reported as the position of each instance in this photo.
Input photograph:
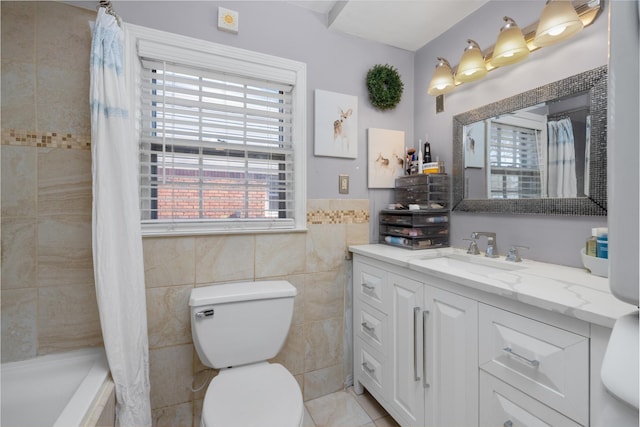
(511, 46)
(559, 21)
(472, 65)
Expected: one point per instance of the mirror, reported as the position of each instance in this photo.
(539, 152)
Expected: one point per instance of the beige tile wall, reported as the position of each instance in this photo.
(48, 296)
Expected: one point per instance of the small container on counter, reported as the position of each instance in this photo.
(602, 243)
(592, 242)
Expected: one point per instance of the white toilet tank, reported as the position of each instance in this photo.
(240, 323)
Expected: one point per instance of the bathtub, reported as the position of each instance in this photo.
(58, 390)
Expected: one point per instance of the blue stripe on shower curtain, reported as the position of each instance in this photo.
(117, 240)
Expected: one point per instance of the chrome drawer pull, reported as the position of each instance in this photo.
(507, 423)
(368, 286)
(368, 328)
(533, 363)
(205, 313)
(416, 314)
(368, 368)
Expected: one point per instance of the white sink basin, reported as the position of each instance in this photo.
(474, 264)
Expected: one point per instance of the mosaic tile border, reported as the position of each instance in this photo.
(29, 138)
(337, 217)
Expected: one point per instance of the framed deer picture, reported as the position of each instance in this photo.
(386, 157)
(336, 125)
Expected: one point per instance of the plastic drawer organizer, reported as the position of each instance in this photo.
(425, 228)
(427, 191)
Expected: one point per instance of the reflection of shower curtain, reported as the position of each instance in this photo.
(542, 163)
(587, 157)
(117, 241)
(562, 160)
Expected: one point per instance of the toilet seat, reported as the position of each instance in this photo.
(258, 395)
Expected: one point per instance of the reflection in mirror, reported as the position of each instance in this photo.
(535, 152)
(543, 151)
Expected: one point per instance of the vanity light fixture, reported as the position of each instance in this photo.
(472, 64)
(511, 46)
(442, 81)
(558, 22)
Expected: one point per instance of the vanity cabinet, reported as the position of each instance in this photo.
(415, 347)
(438, 353)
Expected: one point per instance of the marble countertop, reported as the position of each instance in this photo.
(571, 291)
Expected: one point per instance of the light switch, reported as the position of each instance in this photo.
(343, 184)
(228, 20)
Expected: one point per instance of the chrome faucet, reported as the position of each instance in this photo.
(492, 245)
(473, 247)
(513, 254)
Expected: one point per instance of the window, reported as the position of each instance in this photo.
(514, 161)
(221, 137)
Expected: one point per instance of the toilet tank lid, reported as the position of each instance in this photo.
(245, 291)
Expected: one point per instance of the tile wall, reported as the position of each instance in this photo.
(48, 296)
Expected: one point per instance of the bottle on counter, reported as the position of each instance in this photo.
(427, 152)
(602, 243)
(592, 242)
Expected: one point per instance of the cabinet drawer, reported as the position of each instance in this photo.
(545, 362)
(504, 406)
(369, 368)
(371, 326)
(368, 285)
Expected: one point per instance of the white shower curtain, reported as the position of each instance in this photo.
(562, 181)
(117, 242)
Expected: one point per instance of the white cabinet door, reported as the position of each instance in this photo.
(407, 393)
(451, 357)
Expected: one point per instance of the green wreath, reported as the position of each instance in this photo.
(385, 86)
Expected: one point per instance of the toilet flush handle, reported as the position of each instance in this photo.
(205, 313)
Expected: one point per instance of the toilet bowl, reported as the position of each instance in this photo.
(261, 395)
(236, 328)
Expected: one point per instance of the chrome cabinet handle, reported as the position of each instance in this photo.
(368, 328)
(368, 368)
(533, 363)
(416, 313)
(425, 384)
(367, 286)
(507, 423)
(205, 313)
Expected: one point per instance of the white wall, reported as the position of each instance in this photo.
(551, 238)
(335, 62)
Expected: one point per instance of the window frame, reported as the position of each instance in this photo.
(142, 41)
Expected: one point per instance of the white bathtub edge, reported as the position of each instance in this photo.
(100, 405)
(85, 394)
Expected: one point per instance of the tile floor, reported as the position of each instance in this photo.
(346, 409)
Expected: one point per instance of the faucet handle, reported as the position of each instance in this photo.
(513, 254)
(473, 247)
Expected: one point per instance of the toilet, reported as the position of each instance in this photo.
(237, 328)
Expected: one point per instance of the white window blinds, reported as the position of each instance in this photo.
(215, 146)
(514, 164)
